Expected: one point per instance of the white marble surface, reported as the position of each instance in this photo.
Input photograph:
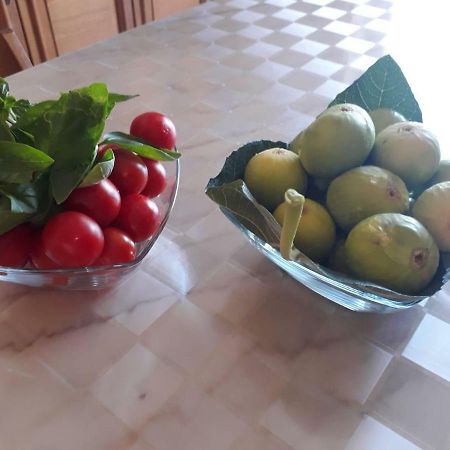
(209, 346)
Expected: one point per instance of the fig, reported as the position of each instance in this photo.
(296, 144)
(383, 117)
(442, 173)
(393, 250)
(338, 258)
(339, 139)
(432, 209)
(270, 173)
(409, 150)
(364, 191)
(316, 231)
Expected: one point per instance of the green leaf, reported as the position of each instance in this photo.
(140, 147)
(114, 98)
(4, 88)
(5, 133)
(236, 197)
(18, 204)
(19, 162)
(18, 108)
(22, 136)
(68, 129)
(383, 85)
(101, 170)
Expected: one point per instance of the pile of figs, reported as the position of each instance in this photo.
(377, 195)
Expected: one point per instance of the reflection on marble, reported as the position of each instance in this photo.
(208, 346)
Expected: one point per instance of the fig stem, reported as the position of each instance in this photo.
(292, 215)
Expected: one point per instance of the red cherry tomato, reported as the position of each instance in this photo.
(157, 179)
(138, 217)
(38, 257)
(72, 239)
(130, 174)
(101, 202)
(119, 248)
(15, 246)
(154, 128)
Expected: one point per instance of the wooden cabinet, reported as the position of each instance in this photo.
(42, 29)
(163, 8)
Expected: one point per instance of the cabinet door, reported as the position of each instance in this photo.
(13, 49)
(163, 8)
(77, 24)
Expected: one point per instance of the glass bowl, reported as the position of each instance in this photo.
(102, 277)
(365, 299)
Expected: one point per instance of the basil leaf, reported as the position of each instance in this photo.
(114, 98)
(35, 123)
(19, 162)
(18, 108)
(68, 129)
(22, 136)
(4, 88)
(5, 133)
(18, 204)
(383, 85)
(139, 146)
(101, 170)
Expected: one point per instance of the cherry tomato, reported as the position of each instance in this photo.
(154, 128)
(38, 257)
(119, 248)
(15, 246)
(157, 179)
(138, 217)
(130, 174)
(72, 239)
(101, 202)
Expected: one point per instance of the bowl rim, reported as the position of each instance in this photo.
(92, 269)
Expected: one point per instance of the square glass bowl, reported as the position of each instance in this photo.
(102, 277)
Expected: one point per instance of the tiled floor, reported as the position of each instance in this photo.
(209, 346)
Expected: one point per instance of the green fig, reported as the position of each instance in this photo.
(364, 191)
(392, 250)
(296, 144)
(409, 150)
(442, 174)
(316, 231)
(383, 117)
(270, 173)
(432, 209)
(338, 258)
(339, 139)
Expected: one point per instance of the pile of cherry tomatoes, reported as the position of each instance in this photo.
(101, 224)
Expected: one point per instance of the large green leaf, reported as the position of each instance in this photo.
(19, 162)
(140, 147)
(383, 85)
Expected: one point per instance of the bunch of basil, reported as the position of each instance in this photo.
(49, 148)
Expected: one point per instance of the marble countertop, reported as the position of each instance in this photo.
(209, 346)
